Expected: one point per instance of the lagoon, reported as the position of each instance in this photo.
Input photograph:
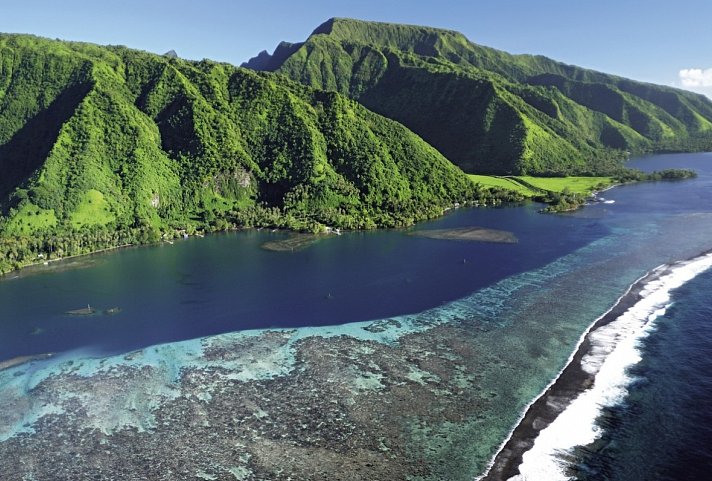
(227, 282)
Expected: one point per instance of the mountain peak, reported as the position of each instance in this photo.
(417, 38)
(269, 63)
(491, 111)
(413, 38)
(326, 27)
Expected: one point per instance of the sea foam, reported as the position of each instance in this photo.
(615, 347)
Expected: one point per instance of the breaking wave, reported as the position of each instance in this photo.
(612, 349)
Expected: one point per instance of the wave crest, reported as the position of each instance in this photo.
(611, 350)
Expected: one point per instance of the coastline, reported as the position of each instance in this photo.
(47, 262)
(572, 381)
(563, 351)
(506, 460)
(565, 354)
(6, 275)
(17, 361)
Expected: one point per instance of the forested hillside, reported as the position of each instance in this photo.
(489, 111)
(361, 126)
(101, 146)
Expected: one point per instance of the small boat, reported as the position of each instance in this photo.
(85, 311)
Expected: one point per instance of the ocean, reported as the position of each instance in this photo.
(660, 429)
(631, 403)
(600, 417)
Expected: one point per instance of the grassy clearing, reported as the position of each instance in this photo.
(578, 185)
(217, 203)
(30, 218)
(508, 183)
(92, 210)
(532, 186)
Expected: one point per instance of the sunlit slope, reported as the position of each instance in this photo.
(489, 111)
(111, 138)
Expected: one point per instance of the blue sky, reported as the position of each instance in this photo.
(649, 40)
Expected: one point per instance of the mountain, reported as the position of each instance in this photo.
(489, 111)
(110, 138)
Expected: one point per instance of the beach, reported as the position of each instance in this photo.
(581, 375)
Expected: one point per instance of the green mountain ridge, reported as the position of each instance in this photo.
(489, 111)
(103, 140)
(363, 125)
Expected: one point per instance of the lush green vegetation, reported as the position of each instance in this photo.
(30, 218)
(93, 209)
(576, 185)
(104, 146)
(667, 174)
(573, 197)
(535, 187)
(507, 183)
(492, 112)
(569, 193)
(560, 193)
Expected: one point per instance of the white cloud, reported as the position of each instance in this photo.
(696, 77)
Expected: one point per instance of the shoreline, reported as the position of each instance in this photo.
(571, 381)
(48, 262)
(20, 360)
(6, 275)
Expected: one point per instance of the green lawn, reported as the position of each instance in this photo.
(530, 186)
(31, 218)
(92, 210)
(508, 183)
(579, 185)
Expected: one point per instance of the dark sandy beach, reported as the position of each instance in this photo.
(571, 382)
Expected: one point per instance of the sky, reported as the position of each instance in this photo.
(656, 41)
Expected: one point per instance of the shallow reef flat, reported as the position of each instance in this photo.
(16, 361)
(479, 234)
(294, 242)
(347, 403)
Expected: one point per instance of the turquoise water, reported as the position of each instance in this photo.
(531, 301)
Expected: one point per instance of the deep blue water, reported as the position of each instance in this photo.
(226, 282)
(664, 428)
